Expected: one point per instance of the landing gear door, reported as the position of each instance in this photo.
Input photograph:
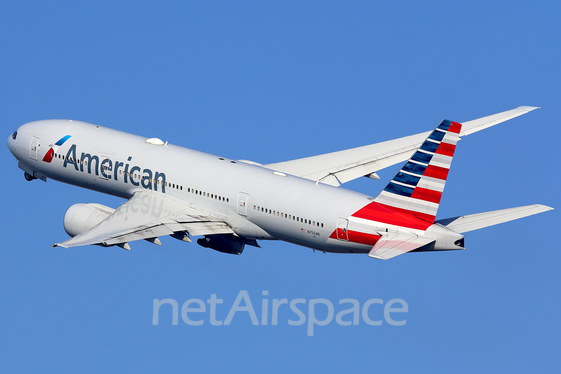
(34, 147)
(342, 226)
(242, 203)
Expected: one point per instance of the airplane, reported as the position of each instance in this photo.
(175, 191)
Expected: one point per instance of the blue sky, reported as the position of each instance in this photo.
(272, 81)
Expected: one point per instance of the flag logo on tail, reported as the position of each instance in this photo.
(412, 197)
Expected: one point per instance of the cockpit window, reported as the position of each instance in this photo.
(15, 135)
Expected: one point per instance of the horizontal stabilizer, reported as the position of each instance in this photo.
(480, 220)
(395, 244)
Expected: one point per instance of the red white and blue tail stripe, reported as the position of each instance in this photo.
(418, 186)
(412, 197)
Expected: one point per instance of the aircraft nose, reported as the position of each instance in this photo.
(12, 142)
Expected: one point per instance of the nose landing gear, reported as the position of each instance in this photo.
(28, 177)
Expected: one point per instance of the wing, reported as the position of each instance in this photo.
(343, 166)
(148, 215)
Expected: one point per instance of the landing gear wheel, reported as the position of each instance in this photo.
(28, 177)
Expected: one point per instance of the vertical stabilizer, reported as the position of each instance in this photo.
(418, 186)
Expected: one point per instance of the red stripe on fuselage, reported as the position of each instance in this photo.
(358, 237)
(395, 216)
(363, 238)
(446, 149)
(427, 195)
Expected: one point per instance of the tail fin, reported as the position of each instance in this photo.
(418, 186)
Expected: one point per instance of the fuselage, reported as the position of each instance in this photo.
(258, 203)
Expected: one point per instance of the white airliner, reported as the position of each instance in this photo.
(171, 190)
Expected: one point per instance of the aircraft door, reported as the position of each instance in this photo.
(242, 203)
(342, 225)
(34, 147)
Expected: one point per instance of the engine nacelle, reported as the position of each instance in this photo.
(81, 217)
(223, 243)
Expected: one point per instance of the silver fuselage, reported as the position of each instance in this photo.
(279, 206)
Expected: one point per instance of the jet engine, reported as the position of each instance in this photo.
(223, 243)
(81, 217)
